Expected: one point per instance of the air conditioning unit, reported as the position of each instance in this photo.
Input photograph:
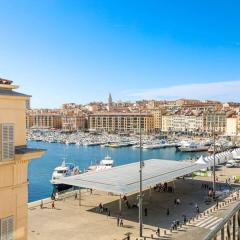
(7, 147)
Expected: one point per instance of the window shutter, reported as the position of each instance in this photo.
(6, 228)
(7, 142)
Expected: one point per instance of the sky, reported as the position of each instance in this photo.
(63, 51)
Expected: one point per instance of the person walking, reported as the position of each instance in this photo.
(197, 208)
(41, 205)
(53, 204)
(100, 206)
(185, 219)
(168, 212)
(121, 223)
(145, 212)
(158, 232)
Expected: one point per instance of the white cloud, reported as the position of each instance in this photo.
(224, 91)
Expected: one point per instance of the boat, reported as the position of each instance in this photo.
(152, 146)
(192, 147)
(62, 171)
(91, 144)
(119, 145)
(106, 163)
(218, 149)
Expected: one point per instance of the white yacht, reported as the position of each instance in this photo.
(64, 170)
(106, 163)
(192, 147)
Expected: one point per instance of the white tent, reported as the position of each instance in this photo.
(202, 160)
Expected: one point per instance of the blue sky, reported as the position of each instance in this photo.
(80, 50)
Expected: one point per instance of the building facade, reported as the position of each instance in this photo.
(231, 126)
(182, 123)
(72, 123)
(14, 159)
(157, 119)
(121, 122)
(43, 120)
(215, 121)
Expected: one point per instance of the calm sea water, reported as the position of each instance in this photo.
(40, 170)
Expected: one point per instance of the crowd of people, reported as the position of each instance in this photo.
(163, 188)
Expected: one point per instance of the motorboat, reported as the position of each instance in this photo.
(106, 163)
(91, 144)
(192, 147)
(62, 171)
(152, 146)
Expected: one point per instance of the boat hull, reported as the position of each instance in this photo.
(185, 149)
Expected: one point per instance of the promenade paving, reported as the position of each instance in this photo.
(69, 221)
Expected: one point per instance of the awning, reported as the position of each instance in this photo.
(125, 179)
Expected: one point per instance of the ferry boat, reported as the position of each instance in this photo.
(106, 163)
(64, 170)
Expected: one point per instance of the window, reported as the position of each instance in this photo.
(6, 141)
(6, 228)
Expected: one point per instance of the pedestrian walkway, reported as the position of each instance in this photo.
(208, 222)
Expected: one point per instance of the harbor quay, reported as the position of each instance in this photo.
(74, 218)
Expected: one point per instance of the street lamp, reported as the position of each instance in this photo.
(214, 157)
(140, 175)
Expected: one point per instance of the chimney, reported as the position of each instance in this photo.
(7, 84)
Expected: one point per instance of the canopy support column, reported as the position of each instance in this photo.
(173, 186)
(79, 203)
(120, 204)
(150, 193)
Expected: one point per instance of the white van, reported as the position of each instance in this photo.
(232, 164)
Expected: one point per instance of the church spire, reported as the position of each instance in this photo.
(110, 103)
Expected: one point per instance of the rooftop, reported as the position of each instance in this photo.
(120, 114)
(9, 92)
(6, 88)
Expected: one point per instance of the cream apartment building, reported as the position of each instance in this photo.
(73, 122)
(121, 122)
(14, 159)
(215, 121)
(182, 122)
(233, 125)
(157, 118)
(43, 120)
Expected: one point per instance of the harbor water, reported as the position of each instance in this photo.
(40, 170)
